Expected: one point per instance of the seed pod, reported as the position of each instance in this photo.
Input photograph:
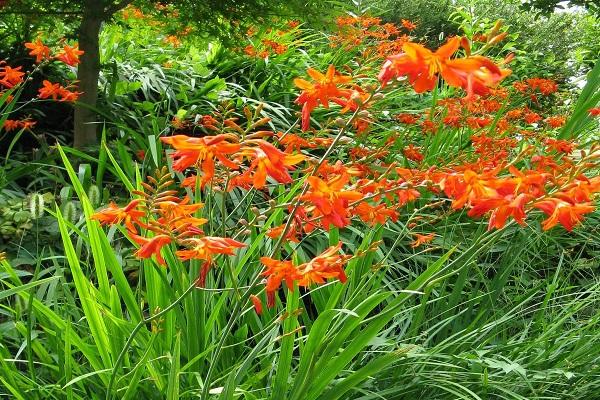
(94, 195)
(36, 206)
(69, 211)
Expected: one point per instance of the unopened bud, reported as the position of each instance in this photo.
(378, 96)
(498, 38)
(255, 210)
(364, 114)
(464, 43)
(495, 29)
(340, 121)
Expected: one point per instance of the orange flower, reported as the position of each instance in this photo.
(594, 112)
(277, 272)
(422, 239)
(583, 189)
(50, 89)
(375, 214)
(10, 77)
(10, 125)
(408, 25)
(428, 126)
(560, 146)
(502, 208)
(205, 247)
(172, 40)
(55, 90)
(151, 247)
(68, 96)
(544, 86)
(564, 212)
(294, 142)
(321, 91)
(268, 160)
(407, 118)
(115, 215)
(291, 235)
(179, 215)
(326, 265)
(258, 307)
(250, 50)
(468, 186)
(200, 152)
(39, 50)
(556, 121)
(420, 64)
(70, 55)
(330, 200)
(412, 153)
(532, 117)
(422, 67)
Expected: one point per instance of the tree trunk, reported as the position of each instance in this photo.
(86, 128)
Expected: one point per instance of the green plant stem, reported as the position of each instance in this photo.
(134, 332)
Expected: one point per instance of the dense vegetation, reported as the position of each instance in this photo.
(366, 200)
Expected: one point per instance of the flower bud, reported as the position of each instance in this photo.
(340, 121)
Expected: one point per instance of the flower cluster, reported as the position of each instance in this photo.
(509, 163)
(158, 218)
(11, 78)
(272, 42)
(327, 265)
(377, 39)
(423, 67)
(68, 55)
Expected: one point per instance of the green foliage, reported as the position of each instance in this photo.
(508, 314)
(549, 6)
(432, 18)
